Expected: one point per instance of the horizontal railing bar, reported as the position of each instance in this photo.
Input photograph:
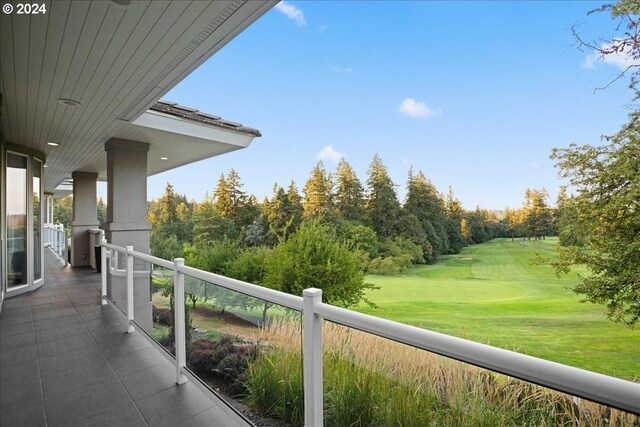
(115, 248)
(270, 295)
(610, 391)
(153, 259)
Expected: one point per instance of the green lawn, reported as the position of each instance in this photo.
(490, 293)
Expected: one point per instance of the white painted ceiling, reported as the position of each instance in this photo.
(116, 61)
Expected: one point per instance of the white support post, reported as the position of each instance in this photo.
(312, 359)
(104, 268)
(130, 288)
(179, 320)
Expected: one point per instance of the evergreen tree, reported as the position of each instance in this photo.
(222, 198)
(102, 212)
(349, 193)
(454, 212)
(167, 215)
(295, 206)
(427, 206)
(381, 204)
(184, 226)
(210, 226)
(276, 212)
(537, 213)
(318, 194)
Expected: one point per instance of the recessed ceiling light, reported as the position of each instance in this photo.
(69, 102)
(53, 144)
(45, 165)
(164, 158)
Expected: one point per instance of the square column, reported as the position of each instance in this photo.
(85, 216)
(127, 222)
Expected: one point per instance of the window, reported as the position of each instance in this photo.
(16, 220)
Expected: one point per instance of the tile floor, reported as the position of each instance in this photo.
(66, 360)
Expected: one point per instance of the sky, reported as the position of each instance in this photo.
(475, 94)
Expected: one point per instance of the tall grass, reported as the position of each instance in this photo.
(371, 381)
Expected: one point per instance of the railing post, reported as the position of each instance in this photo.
(130, 288)
(104, 268)
(312, 359)
(179, 320)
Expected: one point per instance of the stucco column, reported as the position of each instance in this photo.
(84, 216)
(127, 222)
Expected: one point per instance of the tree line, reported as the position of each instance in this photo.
(329, 234)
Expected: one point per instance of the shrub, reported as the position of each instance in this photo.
(223, 359)
(162, 316)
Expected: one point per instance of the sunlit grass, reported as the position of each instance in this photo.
(371, 381)
(491, 293)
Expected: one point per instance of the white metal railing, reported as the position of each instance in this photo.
(55, 238)
(603, 389)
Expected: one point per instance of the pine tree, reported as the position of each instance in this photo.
(318, 193)
(295, 206)
(381, 203)
(537, 213)
(425, 203)
(168, 207)
(276, 212)
(222, 198)
(349, 193)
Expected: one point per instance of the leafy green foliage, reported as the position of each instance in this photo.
(607, 210)
(314, 257)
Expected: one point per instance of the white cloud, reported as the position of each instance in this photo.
(622, 60)
(417, 109)
(342, 69)
(328, 153)
(535, 165)
(291, 12)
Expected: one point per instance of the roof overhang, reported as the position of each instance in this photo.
(176, 141)
(116, 62)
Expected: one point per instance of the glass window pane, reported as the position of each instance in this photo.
(37, 240)
(16, 220)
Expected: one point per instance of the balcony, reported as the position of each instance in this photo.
(71, 358)
(68, 360)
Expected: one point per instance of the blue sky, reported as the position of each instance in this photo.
(476, 94)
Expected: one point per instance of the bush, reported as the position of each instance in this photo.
(162, 316)
(223, 359)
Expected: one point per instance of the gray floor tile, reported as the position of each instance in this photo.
(137, 361)
(125, 416)
(126, 343)
(64, 345)
(31, 416)
(76, 379)
(57, 322)
(77, 406)
(149, 381)
(20, 328)
(28, 393)
(19, 355)
(62, 362)
(17, 319)
(47, 335)
(16, 341)
(216, 416)
(50, 314)
(18, 373)
(173, 405)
